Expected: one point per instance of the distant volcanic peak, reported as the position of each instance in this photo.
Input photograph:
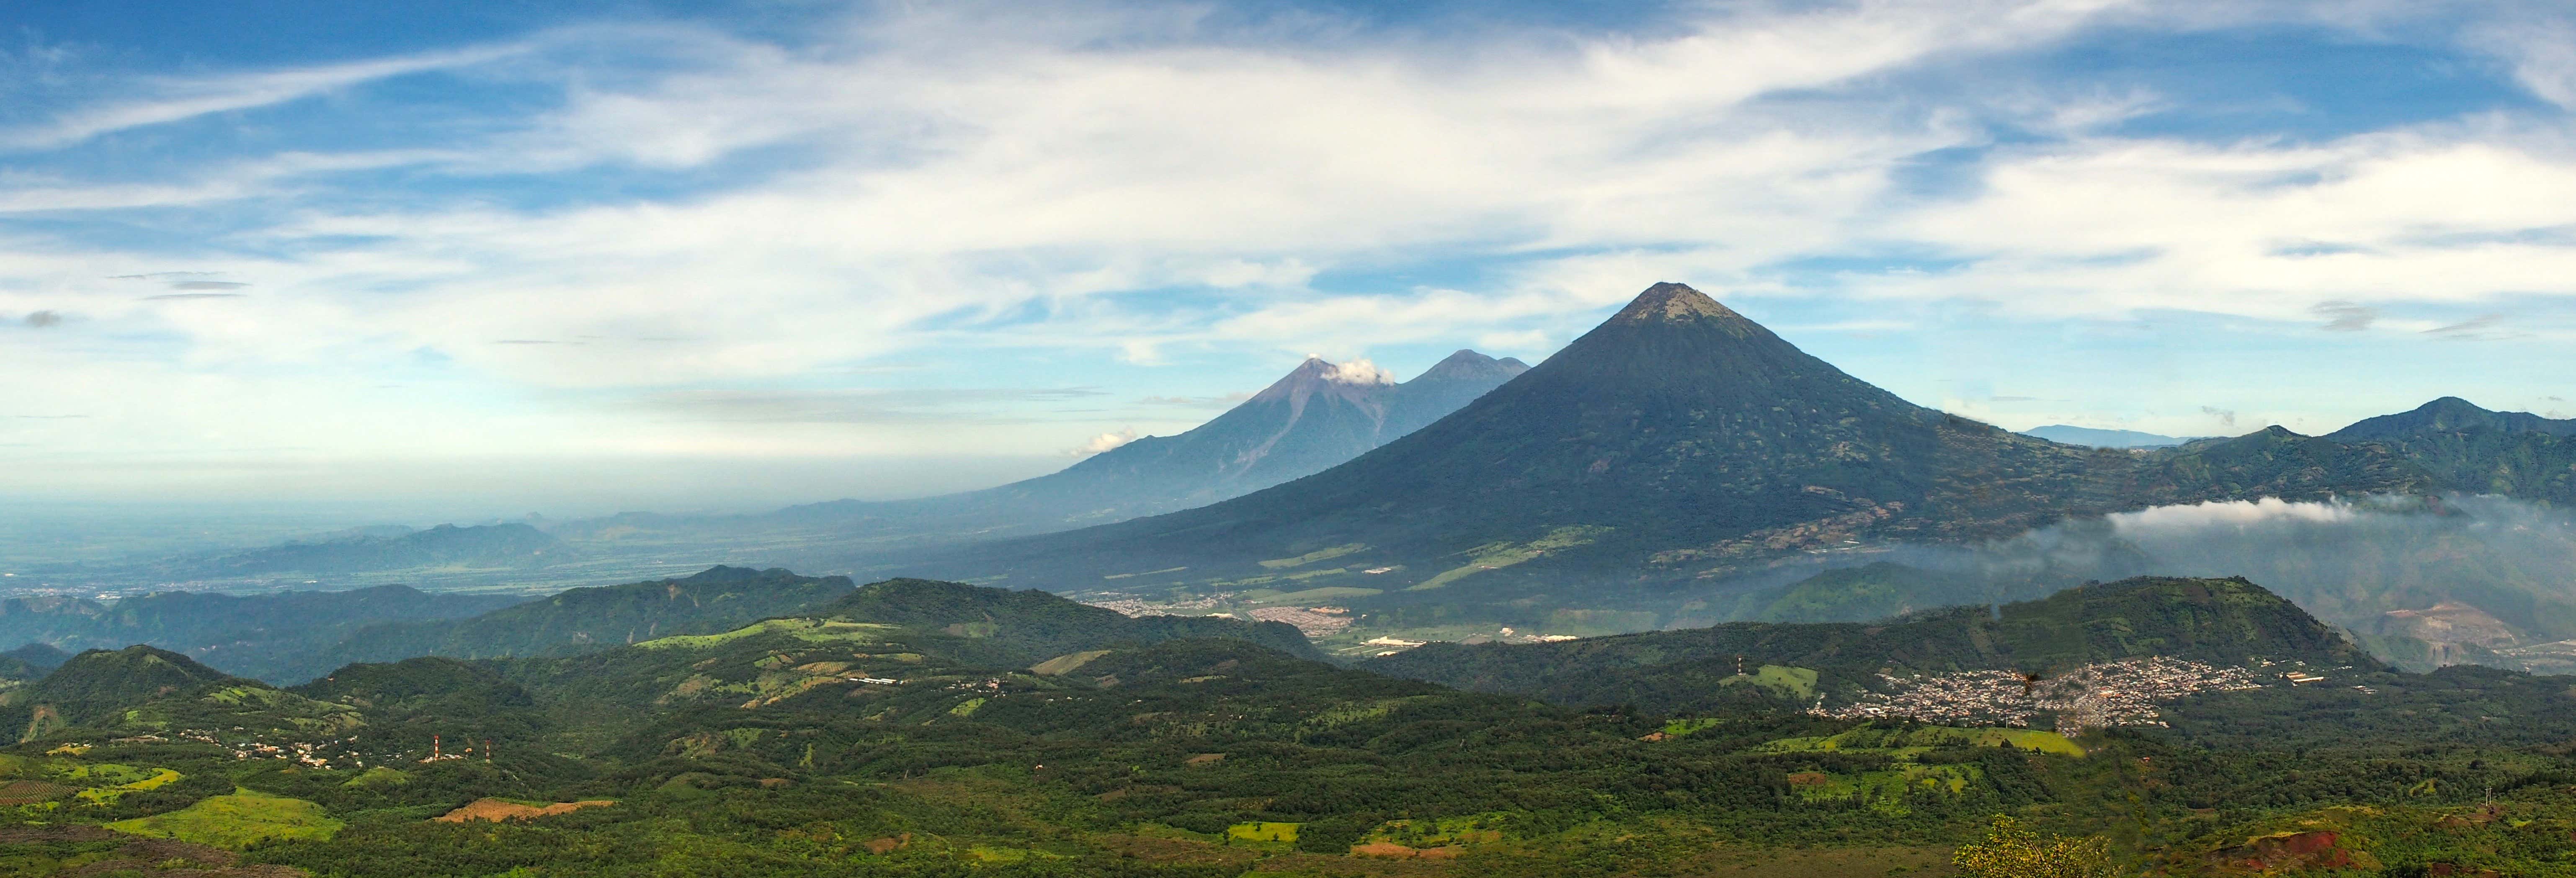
(1675, 303)
(1318, 375)
(1470, 365)
(2451, 414)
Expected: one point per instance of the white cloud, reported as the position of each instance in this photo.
(2542, 51)
(1358, 372)
(979, 177)
(166, 100)
(1103, 442)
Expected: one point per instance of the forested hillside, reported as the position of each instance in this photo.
(894, 733)
(2222, 621)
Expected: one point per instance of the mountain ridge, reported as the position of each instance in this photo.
(1318, 415)
(1676, 440)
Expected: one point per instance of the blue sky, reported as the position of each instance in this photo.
(598, 255)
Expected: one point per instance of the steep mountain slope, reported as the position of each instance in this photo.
(2225, 621)
(95, 684)
(1318, 415)
(583, 618)
(1677, 439)
(2450, 414)
(2473, 450)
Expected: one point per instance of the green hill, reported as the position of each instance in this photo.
(254, 635)
(875, 737)
(94, 686)
(39, 656)
(2223, 621)
(2473, 450)
(586, 618)
(1028, 626)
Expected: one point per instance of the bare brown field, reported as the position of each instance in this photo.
(497, 810)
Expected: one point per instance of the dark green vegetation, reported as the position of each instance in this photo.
(93, 687)
(2517, 454)
(36, 657)
(904, 730)
(2220, 621)
(1029, 626)
(296, 636)
(586, 618)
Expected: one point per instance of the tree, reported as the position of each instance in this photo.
(2010, 851)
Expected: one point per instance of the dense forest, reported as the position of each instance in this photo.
(924, 728)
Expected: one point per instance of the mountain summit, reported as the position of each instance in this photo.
(1670, 302)
(1676, 439)
(2473, 450)
(2451, 414)
(1318, 415)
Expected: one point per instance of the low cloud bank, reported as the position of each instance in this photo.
(2350, 562)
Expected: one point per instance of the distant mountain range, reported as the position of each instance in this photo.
(2073, 435)
(1680, 447)
(1317, 416)
(447, 545)
(571, 621)
(1678, 440)
(200, 622)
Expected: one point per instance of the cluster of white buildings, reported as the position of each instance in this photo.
(2120, 693)
(1311, 621)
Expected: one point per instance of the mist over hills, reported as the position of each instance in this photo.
(204, 623)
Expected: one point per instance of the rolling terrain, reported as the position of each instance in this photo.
(903, 730)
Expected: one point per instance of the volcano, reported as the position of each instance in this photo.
(1676, 439)
(1318, 415)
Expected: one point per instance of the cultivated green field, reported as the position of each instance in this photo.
(237, 820)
